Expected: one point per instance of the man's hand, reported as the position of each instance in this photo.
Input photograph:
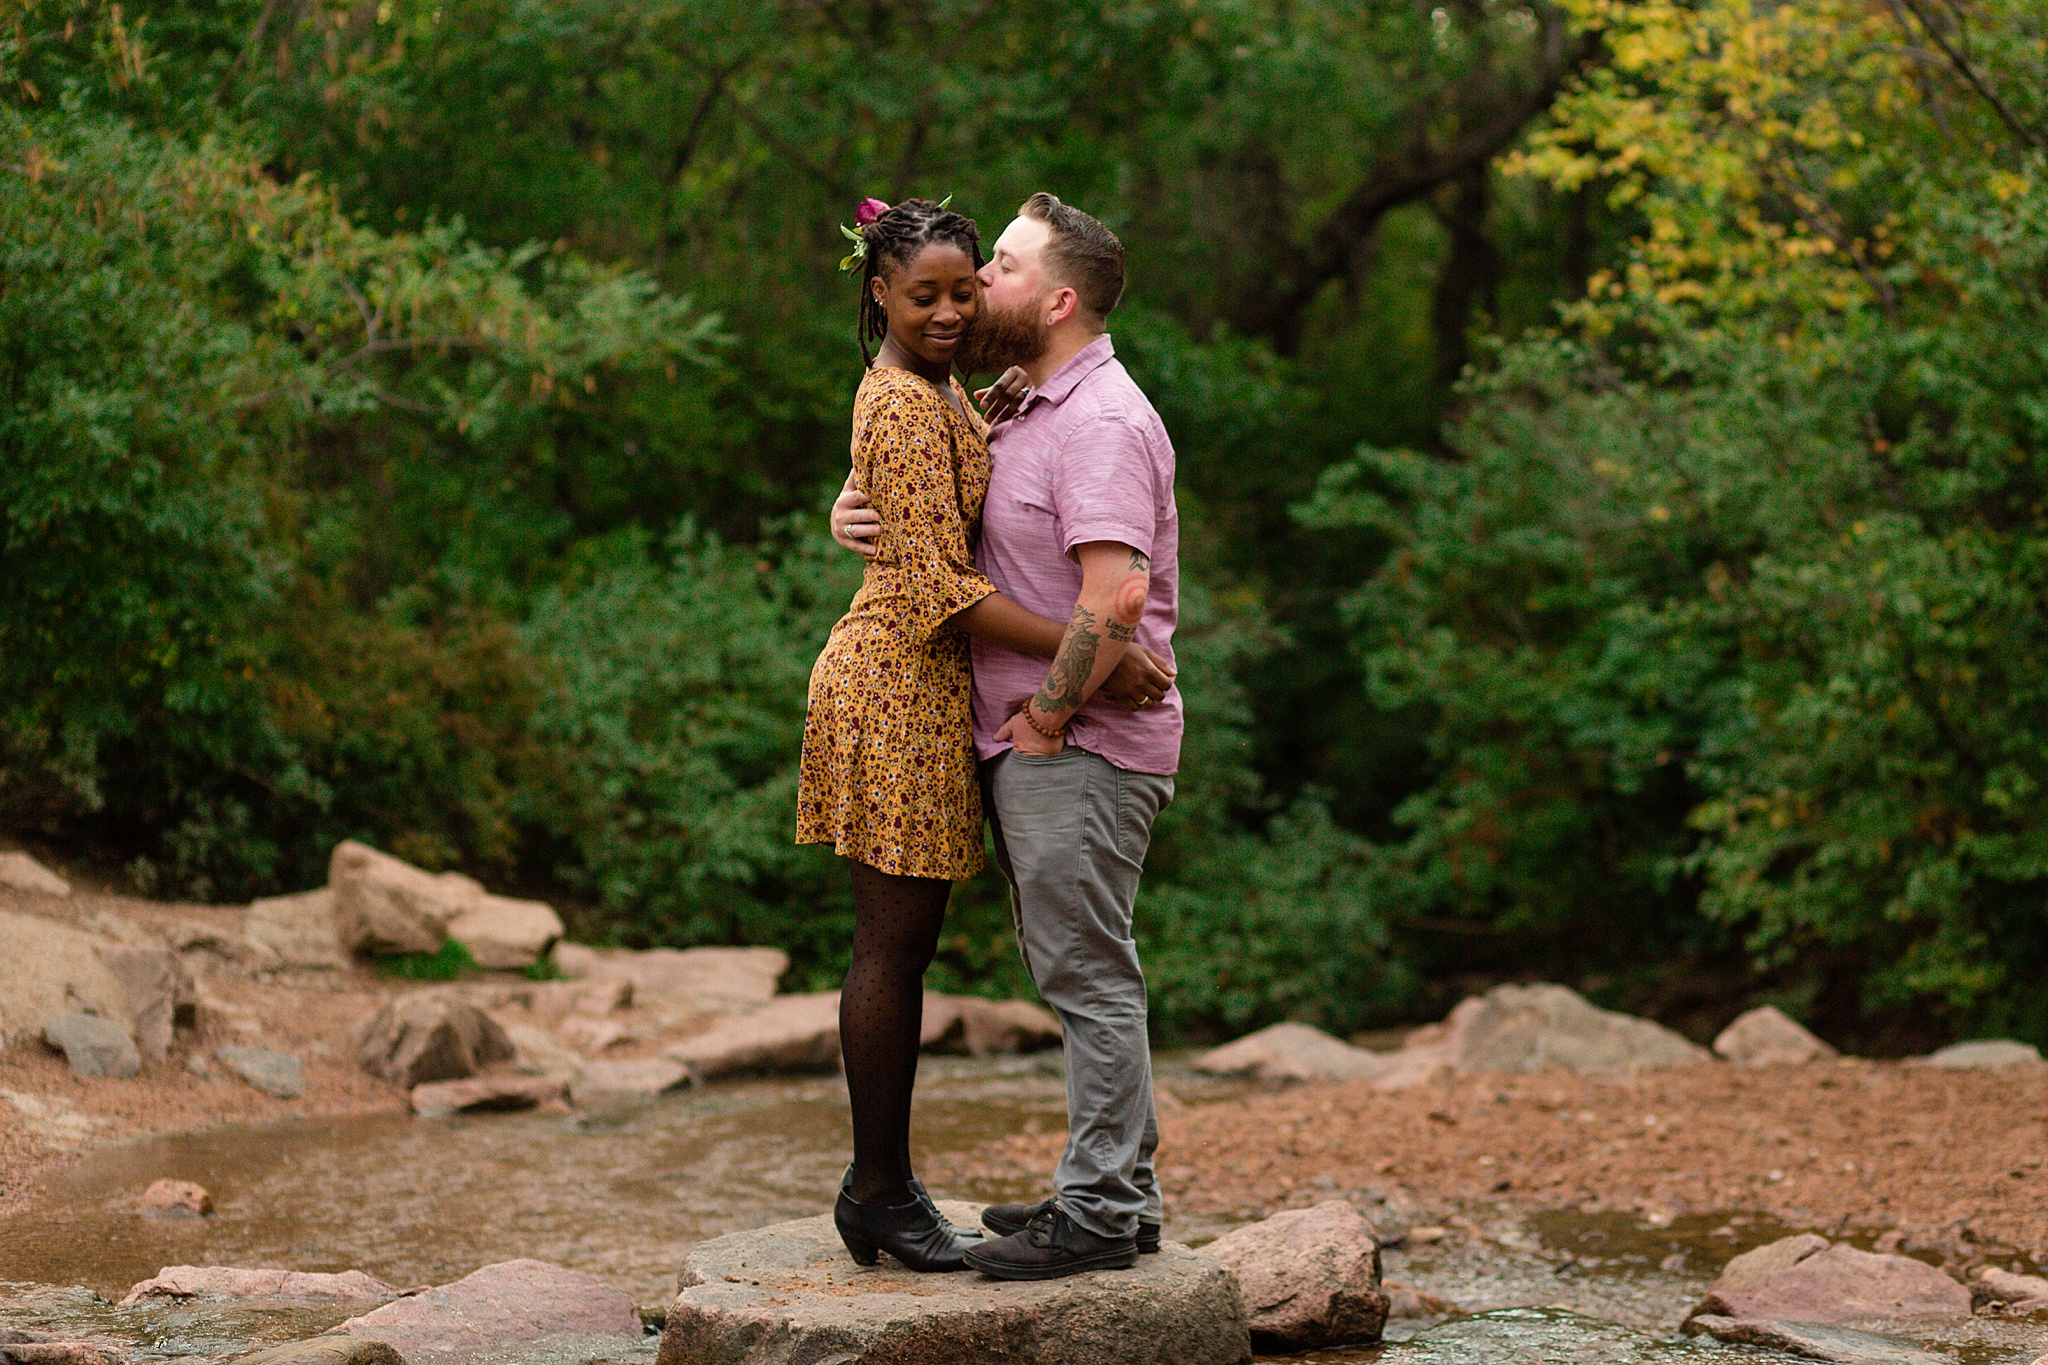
(1141, 679)
(1000, 400)
(1022, 736)
(854, 523)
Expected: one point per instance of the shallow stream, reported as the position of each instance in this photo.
(419, 1202)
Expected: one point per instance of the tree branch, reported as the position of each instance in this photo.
(1404, 175)
(1968, 72)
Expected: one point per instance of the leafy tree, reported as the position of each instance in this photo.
(1727, 614)
(187, 345)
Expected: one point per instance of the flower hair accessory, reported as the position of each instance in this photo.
(864, 214)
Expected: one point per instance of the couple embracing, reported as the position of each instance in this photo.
(1009, 654)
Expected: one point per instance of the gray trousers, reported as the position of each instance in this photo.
(1070, 834)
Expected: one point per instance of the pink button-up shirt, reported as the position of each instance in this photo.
(1086, 458)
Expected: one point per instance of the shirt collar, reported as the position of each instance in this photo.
(1085, 362)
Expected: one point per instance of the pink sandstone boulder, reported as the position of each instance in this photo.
(1767, 1036)
(233, 1282)
(383, 904)
(2020, 1293)
(176, 1199)
(495, 1307)
(438, 1099)
(713, 976)
(430, 1036)
(24, 1348)
(506, 934)
(985, 1028)
(1310, 1277)
(1292, 1052)
(789, 1033)
(23, 873)
(1807, 1279)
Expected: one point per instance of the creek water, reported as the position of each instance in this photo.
(417, 1202)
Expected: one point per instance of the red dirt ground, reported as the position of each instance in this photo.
(1950, 1158)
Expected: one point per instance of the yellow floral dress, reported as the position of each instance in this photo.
(888, 763)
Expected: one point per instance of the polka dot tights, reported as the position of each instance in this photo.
(881, 1011)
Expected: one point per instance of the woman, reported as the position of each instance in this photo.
(888, 759)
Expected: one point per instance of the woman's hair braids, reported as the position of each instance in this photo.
(892, 240)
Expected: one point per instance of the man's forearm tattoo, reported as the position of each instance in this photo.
(1066, 682)
(1129, 607)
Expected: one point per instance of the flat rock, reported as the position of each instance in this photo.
(1528, 1028)
(430, 1036)
(1817, 1341)
(790, 1295)
(1310, 1277)
(506, 934)
(789, 1033)
(19, 1348)
(1806, 1279)
(299, 931)
(496, 1307)
(2026, 1293)
(438, 1099)
(1983, 1052)
(383, 904)
(731, 976)
(970, 1025)
(233, 1282)
(51, 969)
(1767, 1036)
(592, 1036)
(613, 1085)
(176, 1199)
(1293, 1052)
(325, 1350)
(93, 1046)
(536, 1052)
(24, 873)
(277, 1074)
(1406, 1302)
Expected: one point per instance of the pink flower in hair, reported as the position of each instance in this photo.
(869, 210)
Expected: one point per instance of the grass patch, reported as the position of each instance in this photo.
(448, 964)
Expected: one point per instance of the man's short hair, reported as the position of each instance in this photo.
(1081, 253)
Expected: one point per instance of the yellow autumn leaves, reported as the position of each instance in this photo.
(1758, 145)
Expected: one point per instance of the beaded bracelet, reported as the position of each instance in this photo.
(1049, 734)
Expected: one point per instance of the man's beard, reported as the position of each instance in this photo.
(1000, 338)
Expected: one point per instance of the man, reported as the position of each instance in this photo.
(1080, 523)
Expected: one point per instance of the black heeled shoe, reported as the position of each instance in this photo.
(913, 1233)
(924, 1197)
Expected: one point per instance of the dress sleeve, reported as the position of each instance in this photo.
(903, 450)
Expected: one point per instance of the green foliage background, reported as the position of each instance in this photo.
(1612, 459)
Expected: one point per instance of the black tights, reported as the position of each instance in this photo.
(881, 1012)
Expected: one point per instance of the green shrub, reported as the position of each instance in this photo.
(1723, 636)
